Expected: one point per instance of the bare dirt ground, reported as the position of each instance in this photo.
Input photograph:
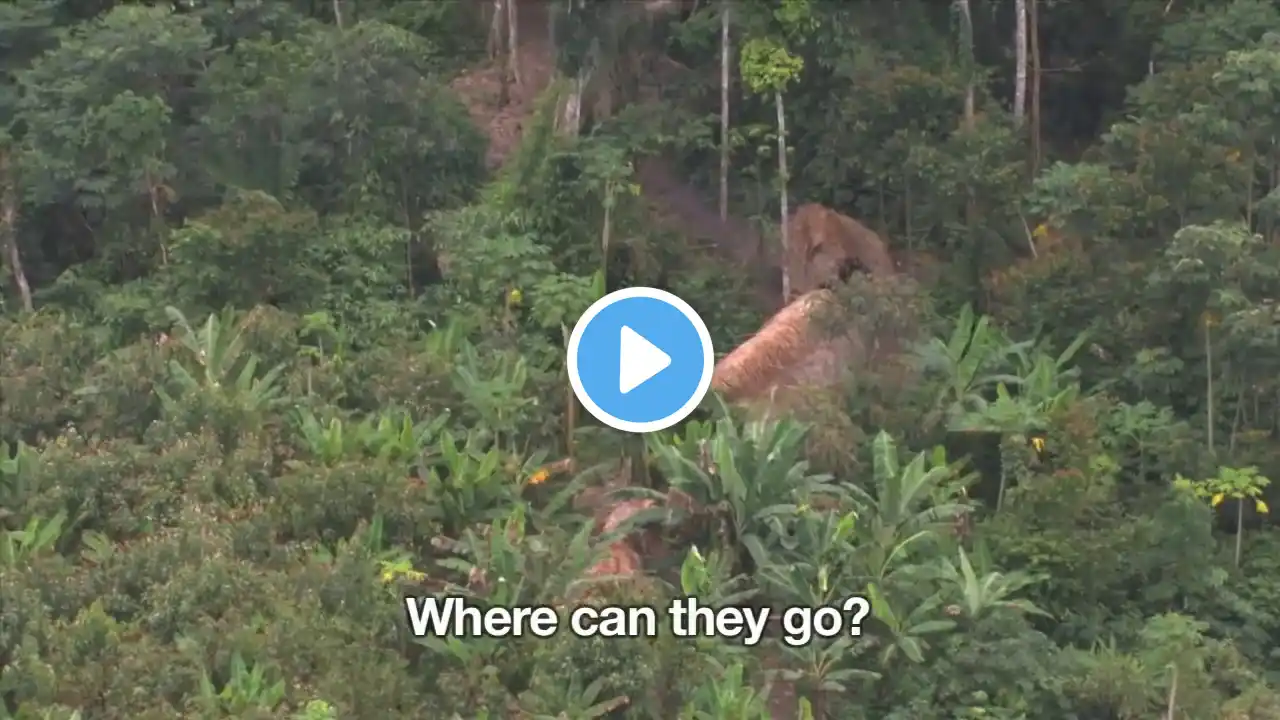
(480, 88)
(683, 208)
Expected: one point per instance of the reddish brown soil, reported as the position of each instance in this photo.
(481, 87)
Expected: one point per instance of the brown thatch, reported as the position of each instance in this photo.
(789, 349)
(825, 245)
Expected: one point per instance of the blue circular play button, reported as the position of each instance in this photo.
(640, 359)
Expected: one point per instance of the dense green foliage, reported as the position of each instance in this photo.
(292, 351)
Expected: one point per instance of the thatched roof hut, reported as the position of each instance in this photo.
(822, 335)
(789, 350)
(827, 246)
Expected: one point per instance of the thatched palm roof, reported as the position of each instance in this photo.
(826, 244)
(789, 349)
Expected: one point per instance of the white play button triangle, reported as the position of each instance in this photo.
(639, 361)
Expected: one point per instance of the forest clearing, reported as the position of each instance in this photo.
(286, 289)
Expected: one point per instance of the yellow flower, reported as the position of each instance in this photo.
(1038, 444)
(514, 298)
(1261, 505)
(1041, 231)
(1217, 499)
(539, 477)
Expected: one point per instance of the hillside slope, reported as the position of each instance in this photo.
(675, 204)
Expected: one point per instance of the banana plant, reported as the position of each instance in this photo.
(518, 568)
(817, 562)
(247, 690)
(906, 634)
(909, 504)
(471, 481)
(824, 668)
(398, 439)
(575, 702)
(976, 356)
(711, 579)
(368, 542)
(981, 593)
(1045, 383)
(17, 476)
(818, 567)
(744, 480)
(1007, 416)
(18, 547)
(218, 364)
(1049, 382)
(330, 443)
(389, 437)
(445, 341)
(727, 695)
(328, 341)
(504, 566)
(495, 388)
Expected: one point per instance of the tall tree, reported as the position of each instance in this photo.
(504, 40)
(724, 110)
(513, 42)
(966, 50)
(768, 67)
(9, 231)
(1033, 17)
(1020, 60)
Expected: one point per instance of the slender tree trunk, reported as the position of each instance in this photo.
(494, 44)
(1239, 528)
(569, 115)
(966, 42)
(513, 43)
(157, 220)
(1173, 696)
(724, 111)
(9, 232)
(976, 251)
(553, 7)
(784, 210)
(1210, 412)
(337, 13)
(497, 45)
(1151, 63)
(606, 233)
(1020, 51)
(571, 407)
(569, 118)
(1033, 12)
